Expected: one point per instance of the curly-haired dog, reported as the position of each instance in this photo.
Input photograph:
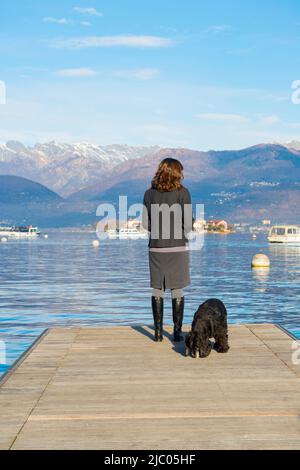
(210, 321)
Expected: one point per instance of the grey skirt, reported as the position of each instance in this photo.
(169, 270)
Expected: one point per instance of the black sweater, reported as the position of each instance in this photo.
(168, 228)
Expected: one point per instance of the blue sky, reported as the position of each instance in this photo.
(201, 74)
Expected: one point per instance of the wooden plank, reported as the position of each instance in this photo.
(106, 388)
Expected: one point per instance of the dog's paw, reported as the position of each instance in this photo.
(221, 349)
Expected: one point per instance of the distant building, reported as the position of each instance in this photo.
(218, 226)
(241, 227)
(134, 223)
(266, 222)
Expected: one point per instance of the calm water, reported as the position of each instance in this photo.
(64, 281)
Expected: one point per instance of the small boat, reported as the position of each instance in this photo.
(127, 233)
(289, 234)
(20, 232)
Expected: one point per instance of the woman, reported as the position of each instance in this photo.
(168, 217)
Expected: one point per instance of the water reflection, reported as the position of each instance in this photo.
(261, 276)
(281, 249)
(64, 281)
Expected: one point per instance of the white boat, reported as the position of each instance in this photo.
(127, 233)
(20, 232)
(289, 234)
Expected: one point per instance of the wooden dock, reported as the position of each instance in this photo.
(114, 388)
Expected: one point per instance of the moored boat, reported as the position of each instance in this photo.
(289, 234)
(20, 232)
(127, 233)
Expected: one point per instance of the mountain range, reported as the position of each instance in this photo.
(65, 168)
(258, 182)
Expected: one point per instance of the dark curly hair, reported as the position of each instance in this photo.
(169, 176)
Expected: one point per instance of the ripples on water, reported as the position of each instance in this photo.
(64, 281)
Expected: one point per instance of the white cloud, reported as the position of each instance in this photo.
(281, 98)
(138, 74)
(50, 19)
(222, 117)
(78, 72)
(135, 74)
(112, 41)
(292, 125)
(88, 11)
(64, 21)
(216, 29)
(269, 120)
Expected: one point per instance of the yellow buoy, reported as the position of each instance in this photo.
(260, 261)
(3, 239)
(96, 243)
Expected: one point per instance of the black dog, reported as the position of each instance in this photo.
(210, 321)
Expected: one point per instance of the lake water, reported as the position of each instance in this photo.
(64, 281)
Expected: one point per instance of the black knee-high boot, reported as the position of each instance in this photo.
(158, 312)
(178, 309)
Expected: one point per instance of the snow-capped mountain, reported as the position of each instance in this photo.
(293, 145)
(66, 168)
(244, 185)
